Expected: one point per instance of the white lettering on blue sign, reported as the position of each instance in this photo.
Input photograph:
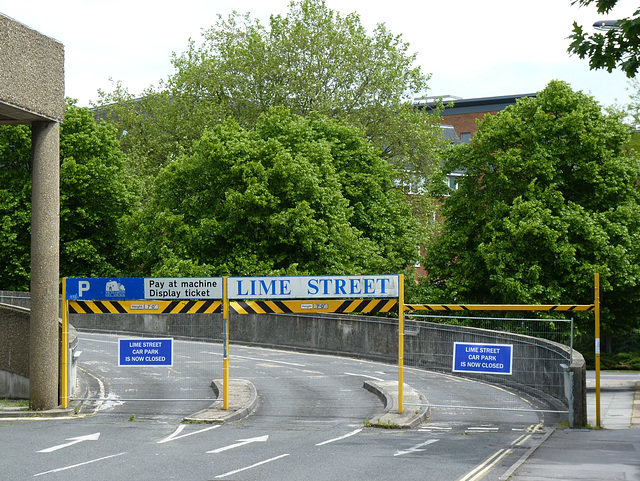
(145, 352)
(482, 358)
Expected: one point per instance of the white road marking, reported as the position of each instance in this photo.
(364, 375)
(72, 441)
(348, 435)
(97, 340)
(481, 429)
(252, 466)
(180, 428)
(57, 470)
(417, 448)
(242, 442)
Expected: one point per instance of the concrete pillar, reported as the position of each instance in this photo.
(45, 271)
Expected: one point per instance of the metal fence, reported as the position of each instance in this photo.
(197, 357)
(540, 368)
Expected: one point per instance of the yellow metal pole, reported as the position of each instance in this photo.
(597, 309)
(225, 358)
(64, 368)
(401, 344)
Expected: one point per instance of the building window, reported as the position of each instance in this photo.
(465, 137)
(452, 181)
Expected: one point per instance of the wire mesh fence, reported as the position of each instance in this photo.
(541, 349)
(196, 358)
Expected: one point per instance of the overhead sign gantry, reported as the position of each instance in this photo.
(243, 295)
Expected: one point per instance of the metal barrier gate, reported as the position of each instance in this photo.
(243, 295)
(282, 294)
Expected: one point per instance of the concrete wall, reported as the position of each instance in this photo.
(427, 345)
(14, 350)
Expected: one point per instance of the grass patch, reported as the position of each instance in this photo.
(14, 403)
(379, 424)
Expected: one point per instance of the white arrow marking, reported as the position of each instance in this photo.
(416, 449)
(79, 439)
(174, 436)
(241, 442)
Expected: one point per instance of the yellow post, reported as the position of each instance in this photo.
(64, 368)
(596, 303)
(400, 343)
(225, 357)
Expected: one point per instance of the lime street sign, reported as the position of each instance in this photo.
(173, 288)
(313, 287)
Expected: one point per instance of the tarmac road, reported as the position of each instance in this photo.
(309, 422)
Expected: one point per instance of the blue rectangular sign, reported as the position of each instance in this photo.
(143, 288)
(482, 358)
(105, 289)
(145, 352)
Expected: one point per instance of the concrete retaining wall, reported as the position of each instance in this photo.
(538, 362)
(427, 345)
(14, 351)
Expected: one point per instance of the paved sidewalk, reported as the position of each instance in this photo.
(611, 454)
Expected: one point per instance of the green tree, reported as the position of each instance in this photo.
(618, 47)
(15, 206)
(550, 197)
(95, 192)
(311, 60)
(291, 195)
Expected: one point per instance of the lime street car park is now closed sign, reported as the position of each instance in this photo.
(482, 358)
(145, 352)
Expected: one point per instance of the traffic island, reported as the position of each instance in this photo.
(415, 406)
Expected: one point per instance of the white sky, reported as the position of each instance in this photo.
(472, 48)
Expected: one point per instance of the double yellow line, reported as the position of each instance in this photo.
(498, 456)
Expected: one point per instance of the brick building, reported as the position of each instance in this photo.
(462, 114)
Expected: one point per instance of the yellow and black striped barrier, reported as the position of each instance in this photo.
(145, 307)
(499, 307)
(369, 306)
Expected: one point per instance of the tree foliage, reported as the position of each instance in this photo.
(311, 60)
(15, 206)
(550, 198)
(95, 193)
(291, 195)
(618, 47)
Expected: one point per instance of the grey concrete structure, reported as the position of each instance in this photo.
(32, 92)
(15, 351)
